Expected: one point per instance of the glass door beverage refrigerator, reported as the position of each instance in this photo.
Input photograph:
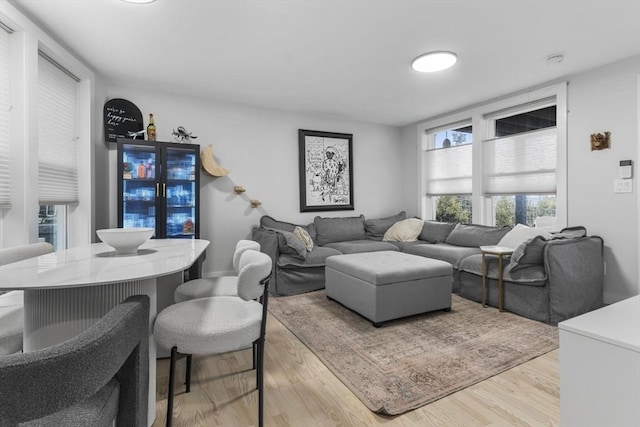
(159, 187)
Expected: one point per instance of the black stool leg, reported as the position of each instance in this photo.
(260, 381)
(255, 350)
(172, 366)
(188, 375)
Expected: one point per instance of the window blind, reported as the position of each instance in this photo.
(5, 107)
(521, 164)
(57, 134)
(449, 170)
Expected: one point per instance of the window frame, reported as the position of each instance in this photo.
(480, 117)
(19, 224)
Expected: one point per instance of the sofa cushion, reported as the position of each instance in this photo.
(403, 246)
(329, 230)
(358, 246)
(406, 230)
(315, 258)
(443, 251)
(436, 232)
(375, 228)
(521, 233)
(533, 275)
(267, 221)
(474, 235)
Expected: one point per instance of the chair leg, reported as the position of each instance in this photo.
(255, 346)
(260, 381)
(172, 367)
(188, 374)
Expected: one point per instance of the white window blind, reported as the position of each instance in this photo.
(5, 107)
(521, 164)
(449, 170)
(57, 134)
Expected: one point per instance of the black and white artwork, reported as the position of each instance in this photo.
(326, 170)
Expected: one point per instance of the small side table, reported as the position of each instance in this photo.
(500, 252)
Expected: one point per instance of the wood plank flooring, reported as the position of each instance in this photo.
(301, 392)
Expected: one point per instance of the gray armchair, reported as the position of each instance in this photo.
(99, 376)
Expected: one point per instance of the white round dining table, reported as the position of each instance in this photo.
(67, 291)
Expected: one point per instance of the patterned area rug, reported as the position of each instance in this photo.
(410, 362)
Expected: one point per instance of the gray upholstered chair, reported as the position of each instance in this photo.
(220, 324)
(216, 286)
(97, 377)
(11, 306)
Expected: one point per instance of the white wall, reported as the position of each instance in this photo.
(606, 99)
(602, 99)
(260, 147)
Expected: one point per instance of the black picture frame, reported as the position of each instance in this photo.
(325, 170)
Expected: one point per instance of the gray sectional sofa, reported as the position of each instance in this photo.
(549, 279)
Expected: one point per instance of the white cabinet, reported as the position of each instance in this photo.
(600, 367)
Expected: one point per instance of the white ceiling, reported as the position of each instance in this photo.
(349, 58)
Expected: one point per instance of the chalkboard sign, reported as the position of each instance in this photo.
(121, 120)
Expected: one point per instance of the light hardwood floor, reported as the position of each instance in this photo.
(300, 392)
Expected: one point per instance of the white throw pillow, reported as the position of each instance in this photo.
(304, 237)
(406, 230)
(520, 234)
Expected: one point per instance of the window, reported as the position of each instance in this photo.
(57, 148)
(500, 163)
(52, 225)
(448, 167)
(30, 155)
(520, 165)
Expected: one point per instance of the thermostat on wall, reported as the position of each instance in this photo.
(626, 169)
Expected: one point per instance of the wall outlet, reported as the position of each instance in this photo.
(623, 186)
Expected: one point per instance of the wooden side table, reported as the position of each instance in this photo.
(500, 252)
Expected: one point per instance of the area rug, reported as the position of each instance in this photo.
(410, 362)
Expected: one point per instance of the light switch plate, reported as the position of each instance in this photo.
(623, 186)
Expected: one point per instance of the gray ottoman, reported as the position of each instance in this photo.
(388, 285)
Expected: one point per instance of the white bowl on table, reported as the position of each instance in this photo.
(125, 241)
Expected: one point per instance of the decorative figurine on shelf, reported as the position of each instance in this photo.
(181, 135)
(134, 135)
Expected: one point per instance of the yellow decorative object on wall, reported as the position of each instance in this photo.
(209, 164)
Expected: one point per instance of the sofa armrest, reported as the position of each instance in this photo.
(575, 270)
(268, 243)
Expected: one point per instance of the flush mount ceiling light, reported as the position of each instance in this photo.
(139, 1)
(434, 61)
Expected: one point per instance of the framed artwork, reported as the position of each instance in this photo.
(326, 170)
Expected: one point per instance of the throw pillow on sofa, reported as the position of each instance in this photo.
(527, 254)
(521, 233)
(375, 228)
(329, 230)
(406, 230)
(289, 244)
(304, 237)
(436, 232)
